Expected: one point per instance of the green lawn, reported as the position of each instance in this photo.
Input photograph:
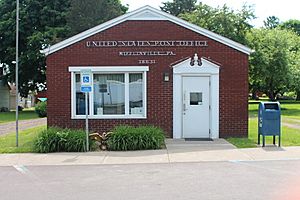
(26, 139)
(23, 115)
(290, 136)
(289, 109)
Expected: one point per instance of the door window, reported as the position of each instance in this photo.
(196, 98)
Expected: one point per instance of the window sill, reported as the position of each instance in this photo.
(110, 117)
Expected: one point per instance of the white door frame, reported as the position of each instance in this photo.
(183, 69)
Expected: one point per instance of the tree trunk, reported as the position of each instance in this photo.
(298, 95)
(254, 96)
(271, 95)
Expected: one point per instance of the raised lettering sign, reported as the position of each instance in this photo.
(151, 43)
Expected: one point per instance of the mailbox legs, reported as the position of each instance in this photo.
(264, 140)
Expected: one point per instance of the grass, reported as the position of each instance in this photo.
(23, 115)
(289, 109)
(289, 136)
(26, 140)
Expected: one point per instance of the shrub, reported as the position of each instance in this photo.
(60, 140)
(126, 138)
(4, 109)
(41, 109)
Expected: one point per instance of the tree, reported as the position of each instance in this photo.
(271, 63)
(223, 20)
(295, 68)
(271, 22)
(42, 22)
(179, 6)
(291, 24)
(294, 25)
(89, 13)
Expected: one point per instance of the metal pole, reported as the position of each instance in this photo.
(86, 122)
(17, 74)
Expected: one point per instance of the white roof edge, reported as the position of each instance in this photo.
(180, 63)
(210, 62)
(130, 16)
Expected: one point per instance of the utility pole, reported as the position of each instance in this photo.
(17, 74)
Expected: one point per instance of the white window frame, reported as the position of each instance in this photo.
(126, 70)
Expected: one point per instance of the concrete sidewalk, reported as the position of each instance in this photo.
(177, 151)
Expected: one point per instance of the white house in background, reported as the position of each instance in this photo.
(8, 96)
(4, 95)
(4, 92)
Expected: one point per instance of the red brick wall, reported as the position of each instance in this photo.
(233, 76)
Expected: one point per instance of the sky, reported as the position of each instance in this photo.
(283, 9)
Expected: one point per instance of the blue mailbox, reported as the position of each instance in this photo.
(269, 121)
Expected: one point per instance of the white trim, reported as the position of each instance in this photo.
(110, 68)
(145, 93)
(126, 70)
(126, 94)
(184, 69)
(73, 99)
(145, 13)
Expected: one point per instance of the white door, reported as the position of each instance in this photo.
(196, 107)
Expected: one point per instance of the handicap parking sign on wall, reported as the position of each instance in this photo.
(86, 77)
(86, 80)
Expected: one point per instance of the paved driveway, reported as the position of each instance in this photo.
(23, 124)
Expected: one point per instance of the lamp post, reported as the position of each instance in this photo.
(17, 74)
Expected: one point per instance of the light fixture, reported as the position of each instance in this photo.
(166, 77)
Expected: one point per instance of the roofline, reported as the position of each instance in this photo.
(125, 17)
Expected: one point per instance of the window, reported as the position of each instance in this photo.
(136, 94)
(196, 98)
(109, 94)
(116, 94)
(80, 98)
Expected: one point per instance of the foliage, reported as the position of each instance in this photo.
(60, 140)
(4, 109)
(179, 6)
(295, 69)
(89, 13)
(26, 140)
(126, 138)
(292, 24)
(42, 22)
(41, 109)
(223, 20)
(271, 22)
(271, 61)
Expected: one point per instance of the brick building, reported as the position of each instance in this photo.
(149, 67)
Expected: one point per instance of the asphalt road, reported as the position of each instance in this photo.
(205, 180)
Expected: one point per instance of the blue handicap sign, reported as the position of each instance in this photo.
(86, 79)
(85, 88)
